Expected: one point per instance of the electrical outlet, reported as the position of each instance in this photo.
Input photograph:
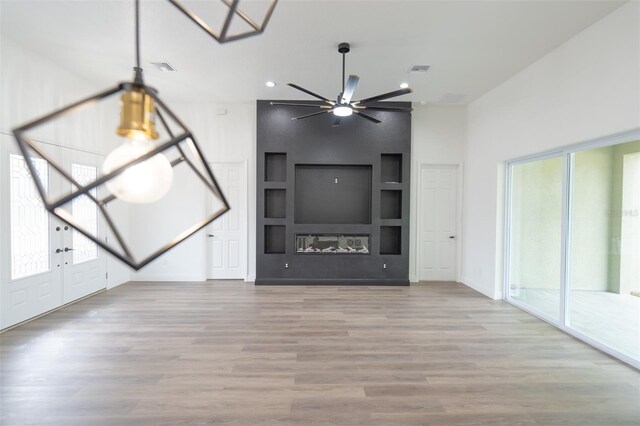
(286, 266)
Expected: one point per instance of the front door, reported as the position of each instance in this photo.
(37, 274)
(84, 262)
(31, 268)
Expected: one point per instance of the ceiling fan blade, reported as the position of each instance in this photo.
(389, 109)
(295, 86)
(311, 115)
(336, 122)
(367, 117)
(384, 96)
(350, 88)
(299, 105)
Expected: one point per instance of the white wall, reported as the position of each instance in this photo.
(586, 88)
(32, 86)
(438, 137)
(226, 133)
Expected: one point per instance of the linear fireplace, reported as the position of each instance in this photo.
(332, 244)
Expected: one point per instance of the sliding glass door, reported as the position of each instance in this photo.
(604, 266)
(535, 237)
(573, 241)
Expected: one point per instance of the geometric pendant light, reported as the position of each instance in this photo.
(234, 10)
(139, 171)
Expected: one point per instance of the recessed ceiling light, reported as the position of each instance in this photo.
(270, 84)
(404, 85)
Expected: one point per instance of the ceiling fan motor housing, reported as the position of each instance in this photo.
(344, 48)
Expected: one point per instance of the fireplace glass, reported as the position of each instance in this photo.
(334, 244)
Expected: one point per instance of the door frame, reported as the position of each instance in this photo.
(244, 220)
(459, 168)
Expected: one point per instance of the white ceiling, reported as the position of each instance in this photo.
(472, 46)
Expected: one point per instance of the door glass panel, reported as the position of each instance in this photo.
(85, 213)
(604, 274)
(535, 226)
(29, 219)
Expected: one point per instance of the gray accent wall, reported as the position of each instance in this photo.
(360, 149)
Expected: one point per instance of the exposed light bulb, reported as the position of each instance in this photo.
(343, 111)
(270, 84)
(404, 85)
(142, 183)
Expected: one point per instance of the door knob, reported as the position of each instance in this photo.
(58, 251)
(66, 249)
(452, 236)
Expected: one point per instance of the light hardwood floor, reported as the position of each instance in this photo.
(229, 352)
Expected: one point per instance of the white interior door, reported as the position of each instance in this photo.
(227, 238)
(437, 223)
(84, 261)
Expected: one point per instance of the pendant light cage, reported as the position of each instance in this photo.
(254, 27)
(178, 145)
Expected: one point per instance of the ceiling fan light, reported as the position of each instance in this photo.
(343, 111)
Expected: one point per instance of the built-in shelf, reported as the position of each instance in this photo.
(275, 167)
(275, 239)
(390, 240)
(391, 168)
(275, 185)
(275, 203)
(332, 205)
(390, 204)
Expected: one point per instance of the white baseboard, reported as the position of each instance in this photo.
(169, 277)
(479, 289)
(116, 284)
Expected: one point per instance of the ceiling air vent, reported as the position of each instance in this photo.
(419, 68)
(163, 66)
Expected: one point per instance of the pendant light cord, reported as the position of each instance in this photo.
(137, 69)
(137, 2)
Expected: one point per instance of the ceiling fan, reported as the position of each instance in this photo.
(343, 106)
